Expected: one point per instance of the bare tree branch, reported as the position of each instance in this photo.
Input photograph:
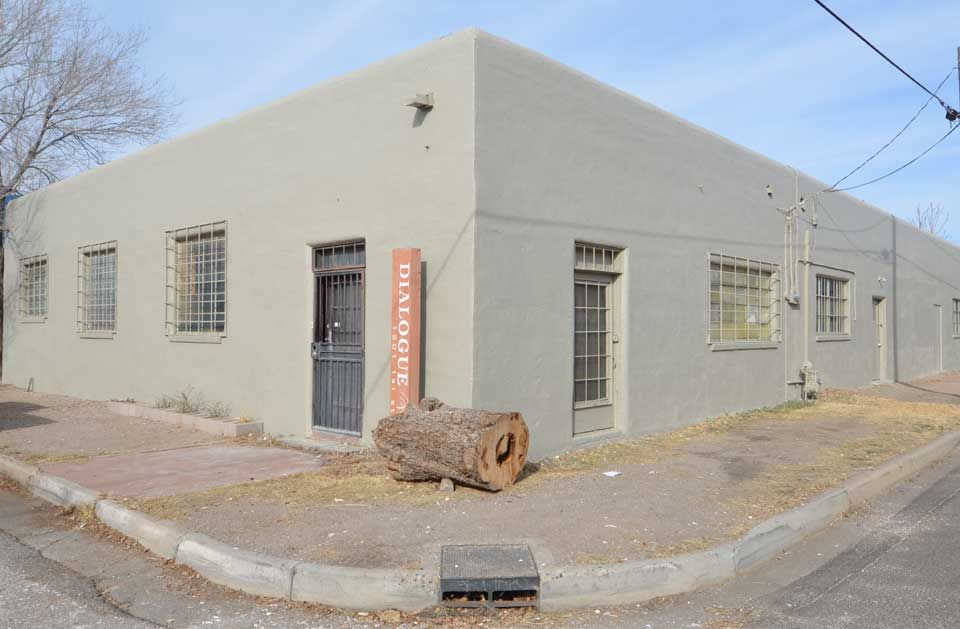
(932, 219)
(71, 93)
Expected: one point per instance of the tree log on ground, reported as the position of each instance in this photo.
(433, 441)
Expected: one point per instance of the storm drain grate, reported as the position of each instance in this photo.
(488, 576)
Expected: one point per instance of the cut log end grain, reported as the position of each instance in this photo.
(433, 441)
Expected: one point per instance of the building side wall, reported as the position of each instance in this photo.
(562, 158)
(343, 160)
(928, 275)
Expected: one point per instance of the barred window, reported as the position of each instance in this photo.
(833, 305)
(743, 300)
(197, 280)
(956, 317)
(597, 258)
(33, 287)
(344, 255)
(97, 287)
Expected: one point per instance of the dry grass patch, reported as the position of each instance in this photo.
(729, 617)
(899, 428)
(349, 480)
(651, 448)
(643, 549)
(11, 486)
(40, 459)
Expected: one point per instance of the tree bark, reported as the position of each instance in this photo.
(433, 441)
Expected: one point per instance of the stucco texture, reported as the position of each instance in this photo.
(345, 159)
(520, 158)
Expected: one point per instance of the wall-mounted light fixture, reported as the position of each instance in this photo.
(421, 101)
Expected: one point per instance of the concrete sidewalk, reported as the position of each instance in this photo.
(128, 457)
(42, 427)
(182, 470)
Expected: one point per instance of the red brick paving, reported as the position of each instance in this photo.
(183, 470)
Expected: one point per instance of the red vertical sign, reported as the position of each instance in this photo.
(405, 330)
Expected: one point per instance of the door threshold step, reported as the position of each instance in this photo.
(320, 445)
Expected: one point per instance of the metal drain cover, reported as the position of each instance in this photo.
(501, 575)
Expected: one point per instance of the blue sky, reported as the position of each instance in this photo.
(781, 78)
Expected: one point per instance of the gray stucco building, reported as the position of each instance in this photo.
(591, 261)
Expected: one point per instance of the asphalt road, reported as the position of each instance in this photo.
(893, 565)
(904, 573)
(37, 592)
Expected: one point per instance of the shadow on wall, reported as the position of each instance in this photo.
(15, 415)
(427, 286)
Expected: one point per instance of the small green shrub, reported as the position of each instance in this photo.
(164, 401)
(191, 402)
(188, 401)
(216, 409)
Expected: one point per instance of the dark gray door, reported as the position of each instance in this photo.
(338, 352)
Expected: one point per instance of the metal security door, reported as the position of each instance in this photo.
(338, 352)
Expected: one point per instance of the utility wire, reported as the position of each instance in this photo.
(895, 171)
(888, 59)
(833, 188)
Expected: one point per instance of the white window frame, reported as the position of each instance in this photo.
(205, 320)
(95, 303)
(755, 288)
(34, 289)
(833, 293)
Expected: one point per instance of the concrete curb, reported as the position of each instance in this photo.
(568, 587)
(868, 484)
(18, 471)
(60, 491)
(158, 536)
(562, 587)
(250, 572)
(362, 588)
(768, 539)
(224, 427)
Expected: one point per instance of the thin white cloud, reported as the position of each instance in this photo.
(289, 58)
(790, 60)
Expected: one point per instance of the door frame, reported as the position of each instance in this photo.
(615, 338)
(317, 332)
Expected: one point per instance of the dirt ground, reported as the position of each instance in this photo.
(676, 492)
(41, 428)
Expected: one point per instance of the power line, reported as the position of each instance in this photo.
(951, 112)
(893, 139)
(895, 171)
